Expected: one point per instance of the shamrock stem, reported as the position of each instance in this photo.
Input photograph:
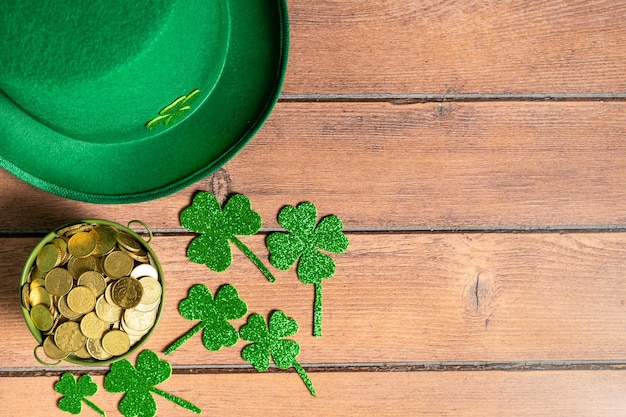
(317, 310)
(94, 407)
(177, 400)
(255, 259)
(183, 339)
(305, 378)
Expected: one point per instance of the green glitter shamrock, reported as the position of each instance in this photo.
(218, 227)
(302, 241)
(269, 342)
(139, 383)
(213, 315)
(75, 392)
(173, 112)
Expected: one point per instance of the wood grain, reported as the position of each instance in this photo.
(407, 47)
(403, 299)
(453, 394)
(480, 174)
(381, 166)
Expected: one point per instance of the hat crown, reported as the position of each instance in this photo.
(99, 70)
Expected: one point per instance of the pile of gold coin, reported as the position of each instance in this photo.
(93, 292)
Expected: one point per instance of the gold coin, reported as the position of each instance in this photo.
(107, 294)
(82, 244)
(65, 310)
(117, 264)
(83, 353)
(132, 332)
(39, 295)
(78, 266)
(134, 339)
(48, 257)
(26, 296)
(106, 238)
(93, 280)
(92, 326)
(128, 242)
(52, 350)
(144, 270)
(139, 320)
(134, 335)
(144, 308)
(37, 273)
(41, 317)
(127, 292)
(53, 305)
(72, 229)
(94, 347)
(116, 342)
(108, 312)
(56, 320)
(59, 281)
(61, 243)
(66, 258)
(68, 336)
(151, 290)
(38, 282)
(139, 256)
(81, 300)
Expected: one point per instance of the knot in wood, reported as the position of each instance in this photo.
(219, 184)
(479, 296)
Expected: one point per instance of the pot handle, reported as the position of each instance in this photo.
(145, 226)
(41, 361)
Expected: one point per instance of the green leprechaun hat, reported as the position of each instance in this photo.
(124, 101)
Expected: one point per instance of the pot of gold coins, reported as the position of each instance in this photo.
(92, 293)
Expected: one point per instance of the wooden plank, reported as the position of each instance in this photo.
(384, 166)
(460, 47)
(484, 394)
(402, 298)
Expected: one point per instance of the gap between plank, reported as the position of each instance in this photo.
(537, 366)
(417, 229)
(451, 97)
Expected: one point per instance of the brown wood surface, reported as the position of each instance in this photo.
(475, 151)
(407, 299)
(419, 166)
(450, 394)
(407, 47)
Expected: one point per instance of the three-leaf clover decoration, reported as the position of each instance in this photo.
(213, 314)
(217, 228)
(138, 382)
(173, 112)
(75, 391)
(269, 342)
(302, 241)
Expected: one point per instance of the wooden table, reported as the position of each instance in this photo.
(475, 151)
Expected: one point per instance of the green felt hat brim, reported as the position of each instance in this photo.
(164, 162)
